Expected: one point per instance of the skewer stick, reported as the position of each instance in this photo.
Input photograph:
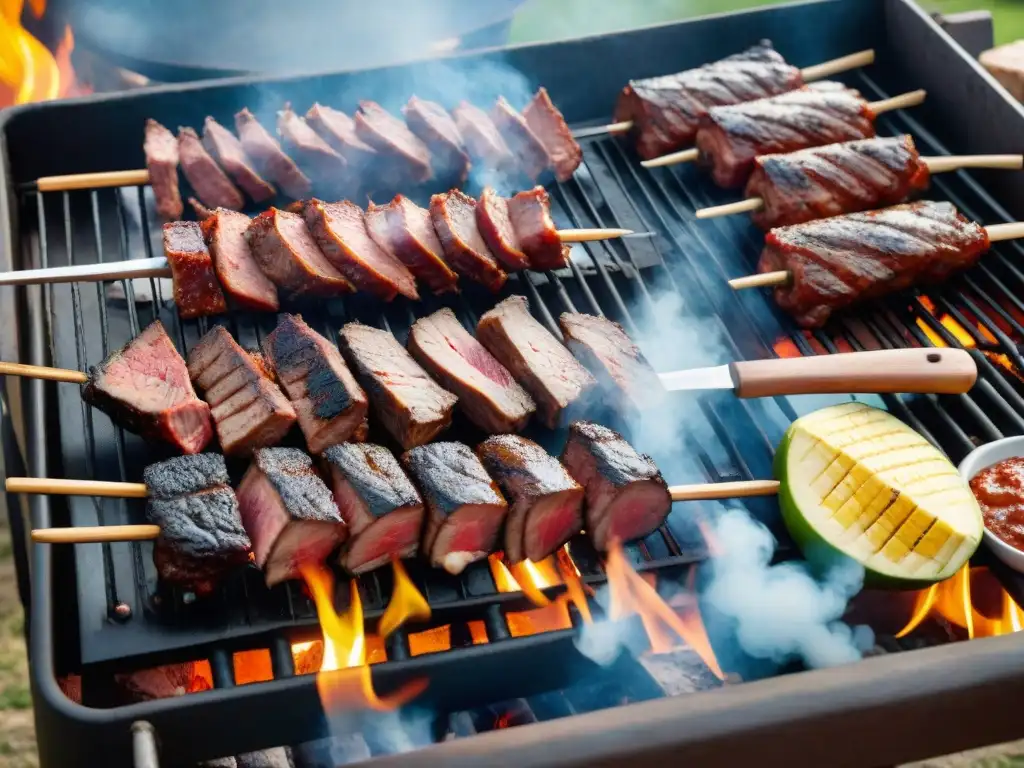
(95, 534)
(41, 372)
(1010, 231)
(733, 490)
(69, 182)
(728, 209)
(61, 487)
(588, 235)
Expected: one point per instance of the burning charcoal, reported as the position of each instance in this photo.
(161, 150)
(329, 402)
(227, 150)
(268, 758)
(528, 150)
(530, 215)
(249, 409)
(436, 128)
(288, 512)
(404, 230)
(548, 125)
(393, 140)
(547, 503)
(339, 131)
(145, 388)
(197, 292)
(380, 506)
(496, 228)
(318, 160)
(487, 393)
(211, 184)
(679, 672)
(454, 217)
(413, 407)
(240, 275)
(537, 360)
(268, 157)
(465, 509)
(162, 682)
(626, 496)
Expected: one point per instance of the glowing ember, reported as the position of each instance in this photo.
(786, 348)
(431, 640)
(956, 600)
(963, 336)
(478, 632)
(28, 71)
(406, 603)
(531, 578)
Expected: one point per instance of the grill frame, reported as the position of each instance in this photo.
(64, 726)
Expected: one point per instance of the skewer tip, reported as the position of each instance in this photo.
(763, 280)
(686, 156)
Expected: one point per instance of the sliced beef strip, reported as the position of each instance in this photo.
(405, 230)
(393, 140)
(487, 393)
(529, 212)
(240, 275)
(145, 388)
(528, 150)
(161, 150)
(379, 504)
(495, 224)
(197, 291)
(329, 402)
(339, 131)
(288, 512)
(211, 184)
(318, 160)
(454, 217)
(435, 127)
(413, 407)
(227, 150)
(465, 509)
(268, 157)
(483, 140)
(548, 125)
(201, 211)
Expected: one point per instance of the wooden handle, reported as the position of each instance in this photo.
(95, 534)
(835, 66)
(904, 100)
(724, 490)
(75, 487)
(939, 371)
(685, 156)
(92, 180)
(588, 235)
(42, 372)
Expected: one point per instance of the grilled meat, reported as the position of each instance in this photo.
(548, 125)
(201, 211)
(211, 184)
(339, 131)
(268, 157)
(413, 407)
(201, 533)
(838, 178)
(239, 274)
(836, 262)
(437, 130)
(454, 218)
(666, 111)
(483, 140)
(379, 504)
(266, 758)
(465, 509)
(288, 513)
(496, 228)
(145, 388)
(547, 504)
(318, 160)
(537, 360)
(604, 348)
(249, 409)
(487, 393)
(530, 214)
(626, 496)
(161, 150)
(340, 231)
(288, 255)
(821, 113)
(162, 682)
(404, 230)
(226, 149)
(526, 147)
(393, 140)
(329, 403)
(197, 292)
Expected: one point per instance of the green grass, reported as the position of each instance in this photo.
(15, 697)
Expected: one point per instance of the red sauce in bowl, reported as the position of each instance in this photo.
(1000, 492)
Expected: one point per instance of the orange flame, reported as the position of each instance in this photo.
(406, 603)
(962, 335)
(531, 578)
(955, 601)
(28, 71)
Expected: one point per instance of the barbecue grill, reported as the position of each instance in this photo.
(97, 609)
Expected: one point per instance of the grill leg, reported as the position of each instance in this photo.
(144, 745)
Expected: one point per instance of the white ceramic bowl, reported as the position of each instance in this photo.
(985, 456)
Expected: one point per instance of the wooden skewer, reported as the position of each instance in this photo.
(732, 490)
(57, 486)
(95, 533)
(41, 372)
(73, 181)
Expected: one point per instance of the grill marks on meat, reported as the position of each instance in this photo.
(286, 252)
(197, 292)
(268, 157)
(239, 274)
(839, 261)
(145, 388)
(437, 130)
(413, 407)
(496, 228)
(487, 393)
(340, 231)
(547, 503)
(226, 149)
(537, 360)
(526, 148)
(666, 111)
(731, 137)
(392, 138)
(329, 403)
(548, 125)
(379, 504)
(248, 408)
(161, 150)
(315, 156)
(339, 131)
(288, 513)
(465, 509)
(838, 178)
(627, 498)
(483, 140)
(211, 184)
(404, 230)
(201, 533)
(530, 214)
(454, 217)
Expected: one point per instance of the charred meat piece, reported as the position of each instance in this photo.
(730, 138)
(201, 211)
(318, 160)
(145, 388)
(483, 140)
(604, 348)
(526, 148)
(537, 360)
(530, 214)
(340, 231)
(266, 758)
(161, 150)
(548, 125)
(288, 512)
(329, 402)
(249, 409)
(547, 504)
(666, 111)
(240, 275)
(492, 217)
(404, 230)
(465, 509)
(454, 218)
(339, 131)
(227, 150)
(838, 178)
(413, 407)
(379, 504)
(487, 393)
(201, 533)
(393, 140)
(626, 496)
(197, 292)
(289, 256)
(437, 130)
(268, 157)
(834, 263)
(211, 184)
